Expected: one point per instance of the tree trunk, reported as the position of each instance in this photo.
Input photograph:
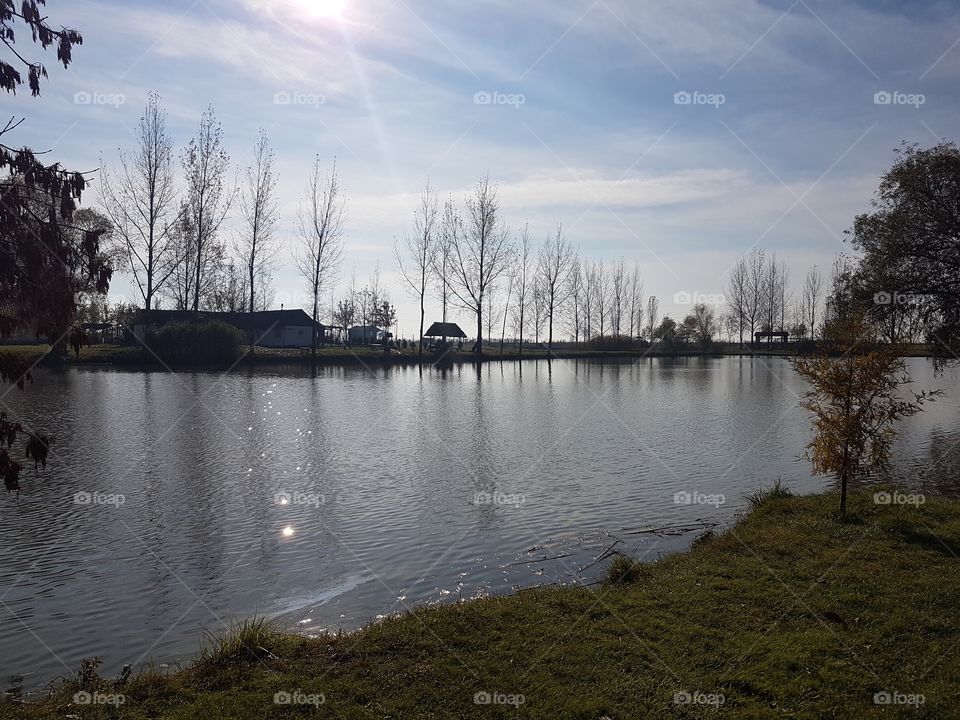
(422, 313)
(478, 348)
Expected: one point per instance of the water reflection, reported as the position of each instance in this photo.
(327, 498)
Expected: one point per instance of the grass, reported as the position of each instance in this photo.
(777, 491)
(789, 614)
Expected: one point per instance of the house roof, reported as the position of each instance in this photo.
(439, 329)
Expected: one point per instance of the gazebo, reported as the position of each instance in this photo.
(445, 330)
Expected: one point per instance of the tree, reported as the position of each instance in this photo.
(636, 303)
(321, 216)
(753, 304)
(810, 302)
(523, 285)
(704, 324)
(481, 252)
(911, 240)
(618, 295)
(653, 311)
(737, 294)
(183, 238)
(258, 207)
(666, 332)
(575, 293)
(597, 279)
(855, 399)
(208, 200)
(416, 259)
(231, 293)
(554, 262)
(450, 226)
(141, 202)
(45, 261)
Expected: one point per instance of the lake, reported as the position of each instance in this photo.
(175, 503)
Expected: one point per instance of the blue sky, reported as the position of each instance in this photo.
(781, 145)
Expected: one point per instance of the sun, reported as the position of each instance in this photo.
(323, 8)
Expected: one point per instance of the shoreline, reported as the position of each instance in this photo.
(779, 613)
(134, 357)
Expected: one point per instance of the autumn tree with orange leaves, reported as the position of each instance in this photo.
(857, 394)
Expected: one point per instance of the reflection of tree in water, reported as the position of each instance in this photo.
(938, 472)
(931, 467)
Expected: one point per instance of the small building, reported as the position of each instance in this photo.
(366, 335)
(445, 330)
(269, 328)
(781, 335)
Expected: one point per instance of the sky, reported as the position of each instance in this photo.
(677, 134)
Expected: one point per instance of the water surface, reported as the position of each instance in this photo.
(327, 501)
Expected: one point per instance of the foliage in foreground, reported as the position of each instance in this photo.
(790, 613)
(856, 398)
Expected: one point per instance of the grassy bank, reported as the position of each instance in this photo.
(790, 614)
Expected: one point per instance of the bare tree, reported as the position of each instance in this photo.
(321, 217)
(183, 237)
(416, 258)
(636, 302)
(481, 253)
(258, 206)
(523, 285)
(753, 305)
(618, 295)
(589, 308)
(653, 312)
(812, 293)
(141, 203)
(450, 226)
(575, 292)
(205, 163)
(737, 291)
(601, 296)
(553, 268)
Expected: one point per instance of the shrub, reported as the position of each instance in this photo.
(623, 570)
(777, 491)
(622, 343)
(246, 642)
(206, 341)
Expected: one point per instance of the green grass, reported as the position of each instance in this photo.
(790, 614)
(777, 491)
